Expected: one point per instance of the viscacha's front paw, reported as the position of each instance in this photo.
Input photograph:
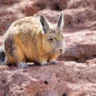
(44, 63)
(23, 65)
(54, 62)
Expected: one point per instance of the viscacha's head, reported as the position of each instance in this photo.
(53, 39)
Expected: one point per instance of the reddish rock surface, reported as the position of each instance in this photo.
(64, 79)
(76, 74)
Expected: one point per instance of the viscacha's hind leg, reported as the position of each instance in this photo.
(19, 57)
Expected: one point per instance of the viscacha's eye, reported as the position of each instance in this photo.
(51, 39)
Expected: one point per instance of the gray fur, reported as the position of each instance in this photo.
(44, 23)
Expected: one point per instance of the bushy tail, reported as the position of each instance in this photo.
(2, 54)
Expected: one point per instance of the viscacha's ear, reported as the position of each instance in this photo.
(60, 22)
(44, 23)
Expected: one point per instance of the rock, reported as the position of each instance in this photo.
(64, 79)
(80, 47)
(78, 15)
(33, 81)
(75, 75)
(28, 8)
(78, 3)
(9, 1)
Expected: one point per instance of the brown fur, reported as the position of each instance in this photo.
(25, 39)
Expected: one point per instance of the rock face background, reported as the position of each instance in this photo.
(76, 73)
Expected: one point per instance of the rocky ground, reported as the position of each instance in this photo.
(75, 75)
